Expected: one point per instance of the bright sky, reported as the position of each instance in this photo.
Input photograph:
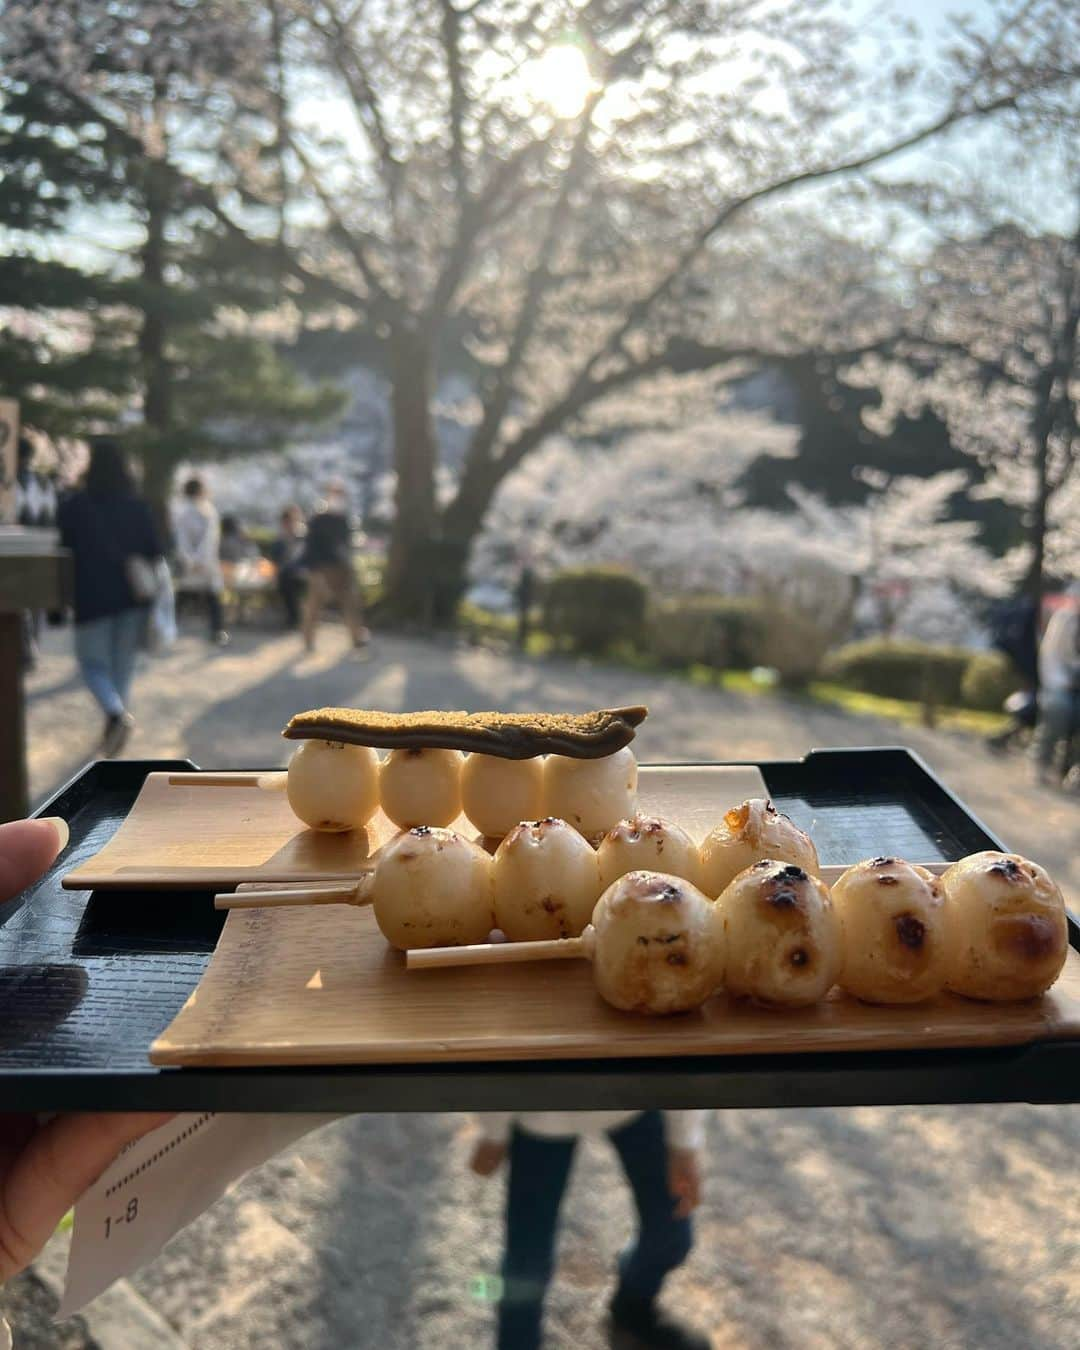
(565, 77)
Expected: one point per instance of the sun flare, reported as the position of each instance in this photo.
(561, 78)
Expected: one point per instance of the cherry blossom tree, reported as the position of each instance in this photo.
(554, 187)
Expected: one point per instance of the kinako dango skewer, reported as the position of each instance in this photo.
(592, 773)
(655, 943)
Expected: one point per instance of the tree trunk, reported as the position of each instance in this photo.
(153, 356)
(413, 565)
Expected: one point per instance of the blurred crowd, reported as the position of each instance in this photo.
(135, 568)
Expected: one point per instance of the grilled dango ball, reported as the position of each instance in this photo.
(893, 920)
(332, 786)
(547, 881)
(591, 794)
(497, 793)
(783, 941)
(647, 843)
(656, 944)
(433, 888)
(421, 786)
(750, 833)
(1008, 936)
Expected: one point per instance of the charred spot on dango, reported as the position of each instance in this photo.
(1032, 937)
(910, 931)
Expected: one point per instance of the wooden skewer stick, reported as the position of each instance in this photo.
(221, 778)
(496, 953)
(269, 782)
(339, 893)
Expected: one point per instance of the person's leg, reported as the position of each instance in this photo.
(538, 1171)
(663, 1240)
(313, 603)
(215, 613)
(347, 596)
(93, 651)
(1054, 710)
(127, 631)
(289, 590)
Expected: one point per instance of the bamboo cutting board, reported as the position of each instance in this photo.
(185, 835)
(321, 986)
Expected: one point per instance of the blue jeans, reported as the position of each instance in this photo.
(539, 1168)
(106, 650)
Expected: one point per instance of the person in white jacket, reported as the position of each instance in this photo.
(197, 540)
(1059, 682)
(660, 1154)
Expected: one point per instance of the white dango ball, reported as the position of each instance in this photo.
(656, 943)
(547, 880)
(433, 888)
(749, 833)
(1008, 934)
(333, 786)
(420, 786)
(497, 793)
(592, 794)
(647, 843)
(782, 936)
(892, 917)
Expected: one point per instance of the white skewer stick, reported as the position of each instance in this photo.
(496, 953)
(341, 893)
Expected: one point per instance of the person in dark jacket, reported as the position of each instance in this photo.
(286, 552)
(107, 524)
(328, 563)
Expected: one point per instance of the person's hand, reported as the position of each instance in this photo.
(44, 1168)
(27, 847)
(684, 1180)
(487, 1157)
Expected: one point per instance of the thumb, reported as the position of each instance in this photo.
(27, 847)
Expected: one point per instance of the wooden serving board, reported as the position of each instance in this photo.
(185, 835)
(321, 986)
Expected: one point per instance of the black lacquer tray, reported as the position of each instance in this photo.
(88, 980)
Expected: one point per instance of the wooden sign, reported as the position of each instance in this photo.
(9, 443)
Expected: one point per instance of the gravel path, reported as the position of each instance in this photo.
(872, 1227)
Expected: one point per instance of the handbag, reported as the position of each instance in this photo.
(143, 578)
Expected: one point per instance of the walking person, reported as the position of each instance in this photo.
(110, 531)
(197, 538)
(35, 508)
(328, 561)
(1059, 684)
(660, 1155)
(286, 552)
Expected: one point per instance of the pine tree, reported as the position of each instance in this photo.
(158, 333)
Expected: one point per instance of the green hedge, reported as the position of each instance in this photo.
(917, 671)
(710, 630)
(988, 681)
(593, 608)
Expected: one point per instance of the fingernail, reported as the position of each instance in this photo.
(63, 834)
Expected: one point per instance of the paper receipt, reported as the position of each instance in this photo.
(158, 1185)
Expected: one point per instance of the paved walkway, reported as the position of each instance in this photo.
(823, 1230)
